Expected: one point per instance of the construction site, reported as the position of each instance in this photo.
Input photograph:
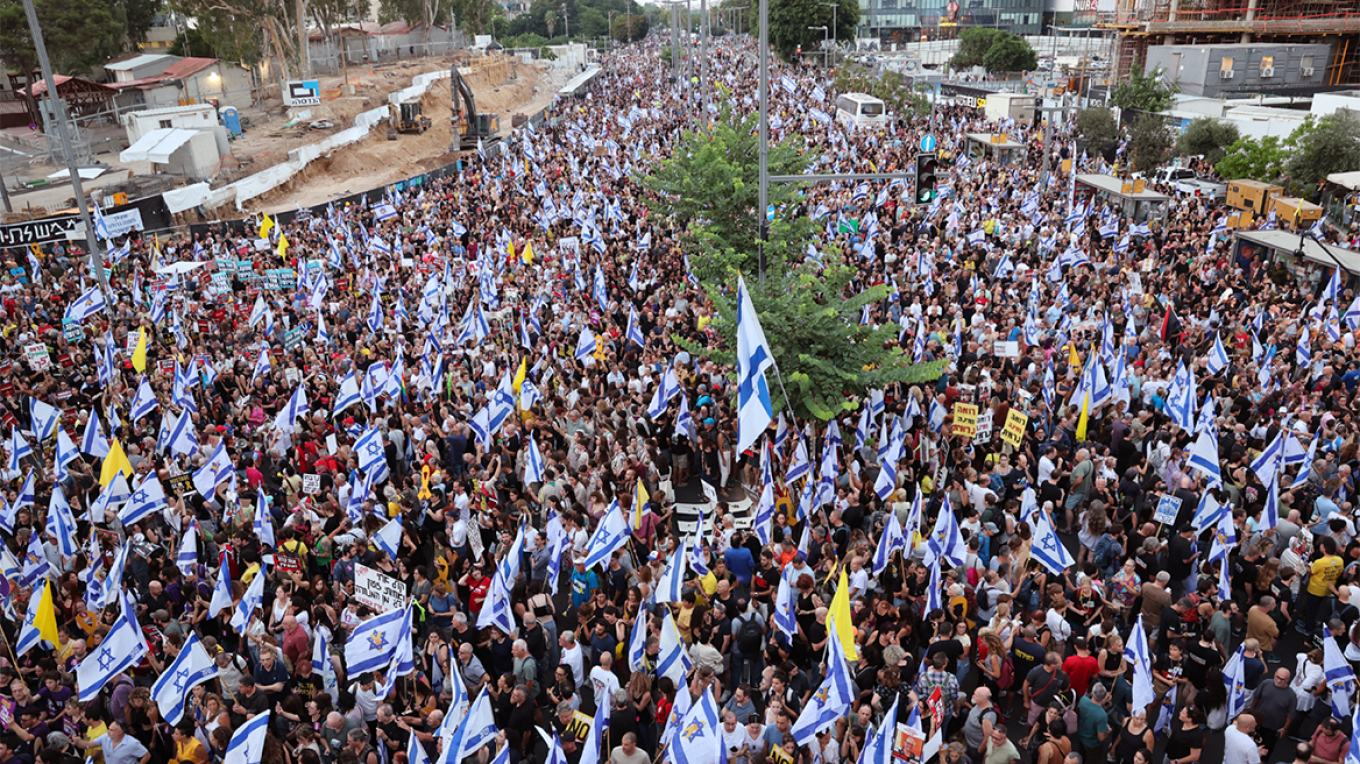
(321, 152)
(1144, 23)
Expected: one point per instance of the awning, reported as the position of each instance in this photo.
(179, 268)
(1349, 180)
(86, 173)
(157, 145)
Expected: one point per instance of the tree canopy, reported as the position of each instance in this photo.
(807, 306)
(1315, 149)
(790, 19)
(996, 50)
(81, 35)
(1144, 90)
(1207, 136)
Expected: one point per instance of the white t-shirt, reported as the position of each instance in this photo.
(574, 660)
(1239, 748)
(604, 683)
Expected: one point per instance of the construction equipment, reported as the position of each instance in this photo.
(406, 118)
(472, 129)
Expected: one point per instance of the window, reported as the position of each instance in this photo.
(165, 123)
(1267, 66)
(1226, 64)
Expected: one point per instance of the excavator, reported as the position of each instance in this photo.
(469, 127)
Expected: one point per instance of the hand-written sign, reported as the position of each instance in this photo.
(1167, 509)
(1014, 430)
(965, 419)
(311, 484)
(984, 428)
(380, 592)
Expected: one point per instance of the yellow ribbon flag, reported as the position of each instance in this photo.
(840, 616)
(45, 618)
(139, 354)
(640, 499)
(282, 249)
(1298, 212)
(521, 374)
(114, 463)
(511, 245)
(528, 253)
(1073, 359)
(266, 226)
(1085, 412)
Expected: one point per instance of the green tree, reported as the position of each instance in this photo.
(1150, 142)
(81, 35)
(974, 42)
(138, 15)
(894, 89)
(631, 27)
(1145, 90)
(1251, 159)
(1010, 53)
(1096, 127)
(592, 23)
(790, 19)
(1207, 136)
(1321, 147)
(229, 35)
(808, 310)
(474, 16)
(550, 21)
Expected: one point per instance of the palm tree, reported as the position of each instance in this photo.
(550, 21)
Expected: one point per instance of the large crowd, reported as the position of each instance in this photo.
(430, 477)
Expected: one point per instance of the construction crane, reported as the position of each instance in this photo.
(469, 127)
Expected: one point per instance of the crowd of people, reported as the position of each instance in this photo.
(227, 487)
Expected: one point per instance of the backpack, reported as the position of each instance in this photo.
(1107, 549)
(1007, 679)
(750, 636)
(984, 597)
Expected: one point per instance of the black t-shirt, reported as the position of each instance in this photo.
(1043, 686)
(1178, 549)
(952, 649)
(1026, 655)
(1199, 659)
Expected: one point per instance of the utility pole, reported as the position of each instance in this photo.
(764, 203)
(58, 115)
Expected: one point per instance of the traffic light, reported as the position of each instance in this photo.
(927, 177)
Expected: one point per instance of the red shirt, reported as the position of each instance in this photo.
(1080, 670)
(480, 587)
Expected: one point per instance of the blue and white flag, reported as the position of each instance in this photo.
(533, 462)
(183, 438)
(66, 452)
(476, 729)
(637, 642)
(1203, 456)
(88, 304)
(122, 648)
(1234, 677)
(93, 442)
(191, 668)
(348, 396)
(946, 539)
(891, 540)
(671, 586)
(832, 700)
(218, 469)
(247, 742)
(609, 537)
(29, 634)
(1218, 357)
(388, 537)
(699, 739)
(143, 403)
(263, 522)
(186, 559)
(673, 660)
(668, 389)
(1047, 548)
(754, 409)
(250, 602)
(147, 497)
(1340, 678)
(297, 406)
(1137, 654)
(222, 594)
(372, 643)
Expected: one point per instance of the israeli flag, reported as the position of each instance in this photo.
(186, 559)
(214, 472)
(183, 436)
(66, 453)
(247, 742)
(263, 522)
(1340, 678)
(891, 540)
(18, 450)
(384, 211)
(585, 346)
(832, 700)
(222, 595)
(1204, 457)
(250, 602)
(672, 661)
(348, 396)
(61, 524)
(475, 730)
(122, 648)
(88, 304)
(372, 643)
(668, 389)
(262, 365)
(191, 668)
(1137, 654)
(754, 409)
(634, 332)
(297, 406)
(147, 498)
(533, 462)
(1048, 549)
(1218, 357)
(671, 586)
(369, 449)
(699, 739)
(946, 540)
(609, 537)
(388, 537)
(1234, 677)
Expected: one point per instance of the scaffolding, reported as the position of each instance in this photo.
(1202, 22)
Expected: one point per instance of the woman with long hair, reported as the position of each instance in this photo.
(1134, 735)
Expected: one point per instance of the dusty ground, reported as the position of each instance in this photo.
(376, 160)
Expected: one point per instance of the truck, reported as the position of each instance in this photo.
(1016, 106)
(1184, 180)
(1253, 195)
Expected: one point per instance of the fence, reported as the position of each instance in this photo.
(331, 57)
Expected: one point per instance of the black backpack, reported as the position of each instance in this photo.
(750, 636)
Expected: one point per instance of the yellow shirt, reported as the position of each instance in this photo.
(93, 733)
(1325, 572)
(190, 751)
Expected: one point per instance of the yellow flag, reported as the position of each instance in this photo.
(1073, 359)
(840, 616)
(640, 499)
(1085, 411)
(114, 463)
(266, 226)
(512, 249)
(1298, 212)
(45, 619)
(139, 354)
(282, 249)
(528, 253)
(521, 374)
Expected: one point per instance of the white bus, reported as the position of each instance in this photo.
(861, 110)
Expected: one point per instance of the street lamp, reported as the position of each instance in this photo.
(825, 39)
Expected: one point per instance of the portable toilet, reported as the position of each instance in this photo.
(231, 119)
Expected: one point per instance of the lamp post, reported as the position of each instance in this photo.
(834, 8)
(825, 39)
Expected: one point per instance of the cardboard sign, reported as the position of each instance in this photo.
(378, 591)
(965, 419)
(287, 563)
(984, 428)
(1006, 348)
(292, 338)
(182, 484)
(7, 706)
(1167, 509)
(311, 484)
(37, 356)
(166, 365)
(908, 744)
(73, 332)
(1014, 429)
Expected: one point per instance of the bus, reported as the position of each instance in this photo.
(861, 110)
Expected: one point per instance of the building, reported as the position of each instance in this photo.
(1243, 69)
(906, 21)
(186, 141)
(1146, 24)
(158, 80)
